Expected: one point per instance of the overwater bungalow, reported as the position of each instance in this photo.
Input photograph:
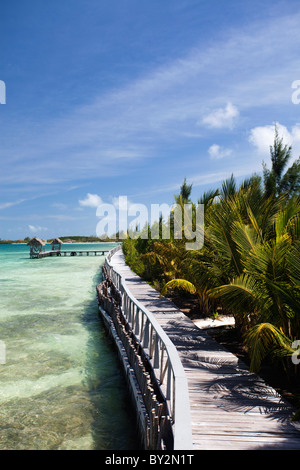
(36, 247)
(56, 244)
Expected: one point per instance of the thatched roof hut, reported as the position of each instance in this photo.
(56, 244)
(56, 241)
(36, 242)
(36, 246)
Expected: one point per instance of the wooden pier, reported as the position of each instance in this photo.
(230, 407)
(45, 254)
(38, 249)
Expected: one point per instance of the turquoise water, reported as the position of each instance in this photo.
(61, 386)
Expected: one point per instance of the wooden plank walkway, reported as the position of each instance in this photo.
(231, 408)
(45, 254)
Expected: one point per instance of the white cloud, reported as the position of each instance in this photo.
(59, 205)
(222, 117)
(91, 200)
(160, 107)
(37, 228)
(216, 152)
(262, 137)
(5, 205)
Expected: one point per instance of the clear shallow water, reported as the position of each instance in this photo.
(61, 386)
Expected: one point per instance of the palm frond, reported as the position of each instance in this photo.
(287, 218)
(255, 223)
(152, 257)
(240, 295)
(208, 197)
(245, 237)
(263, 338)
(179, 284)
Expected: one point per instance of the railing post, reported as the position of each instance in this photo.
(132, 312)
(151, 342)
(156, 352)
(146, 334)
(142, 326)
(136, 328)
(169, 382)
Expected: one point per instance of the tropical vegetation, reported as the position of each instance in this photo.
(249, 265)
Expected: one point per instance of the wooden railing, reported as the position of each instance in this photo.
(163, 356)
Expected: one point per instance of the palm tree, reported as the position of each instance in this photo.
(249, 264)
(267, 291)
(185, 193)
(169, 255)
(219, 260)
(275, 181)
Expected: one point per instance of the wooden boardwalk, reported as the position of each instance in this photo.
(231, 408)
(46, 254)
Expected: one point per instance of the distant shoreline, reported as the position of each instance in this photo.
(73, 242)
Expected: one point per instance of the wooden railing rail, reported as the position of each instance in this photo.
(163, 355)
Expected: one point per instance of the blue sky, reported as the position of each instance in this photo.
(128, 97)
